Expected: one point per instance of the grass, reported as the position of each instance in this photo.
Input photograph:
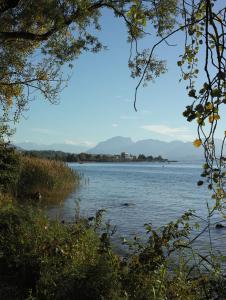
(48, 260)
(54, 180)
(43, 259)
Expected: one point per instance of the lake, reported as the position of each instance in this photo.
(156, 193)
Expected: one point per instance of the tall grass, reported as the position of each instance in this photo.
(54, 180)
(43, 259)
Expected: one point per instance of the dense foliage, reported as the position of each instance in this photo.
(10, 168)
(42, 259)
(48, 34)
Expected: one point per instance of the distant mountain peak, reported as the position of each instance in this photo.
(174, 150)
(113, 145)
(119, 138)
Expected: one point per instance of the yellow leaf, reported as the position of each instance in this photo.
(197, 143)
(214, 118)
(209, 106)
(9, 100)
(211, 119)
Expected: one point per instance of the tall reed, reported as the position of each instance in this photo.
(52, 180)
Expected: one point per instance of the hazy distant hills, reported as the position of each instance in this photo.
(175, 150)
(57, 147)
(115, 145)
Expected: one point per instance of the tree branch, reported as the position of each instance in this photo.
(8, 5)
(23, 35)
(151, 54)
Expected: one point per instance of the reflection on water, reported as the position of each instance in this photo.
(138, 193)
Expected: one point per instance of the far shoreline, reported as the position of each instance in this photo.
(117, 162)
(83, 157)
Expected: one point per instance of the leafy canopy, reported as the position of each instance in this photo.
(38, 37)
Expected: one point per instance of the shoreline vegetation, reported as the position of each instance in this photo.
(87, 157)
(46, 180)
(48, 259)
(41, 41)
(35, 179)
(53, 260)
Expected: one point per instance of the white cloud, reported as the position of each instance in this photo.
(79, 143)
(114, 125)
(180, 133)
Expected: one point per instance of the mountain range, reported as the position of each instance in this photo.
(175, 150)
(70, 148)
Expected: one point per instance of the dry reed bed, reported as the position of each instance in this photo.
(54, 180)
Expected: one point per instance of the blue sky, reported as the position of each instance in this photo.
(98, 102)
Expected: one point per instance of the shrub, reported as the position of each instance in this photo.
(9, 168)
(43, 259)
(51, 260)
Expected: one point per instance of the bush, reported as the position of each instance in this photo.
(43, 259)
(54, 180)
(51, 260)
(9, 168)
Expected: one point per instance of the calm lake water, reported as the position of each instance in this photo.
(156, 193)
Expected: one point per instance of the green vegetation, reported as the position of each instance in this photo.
(87, 157)
(48, 259)
(10, 168)
(43, 259)
(54, 180)
(33, 178)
